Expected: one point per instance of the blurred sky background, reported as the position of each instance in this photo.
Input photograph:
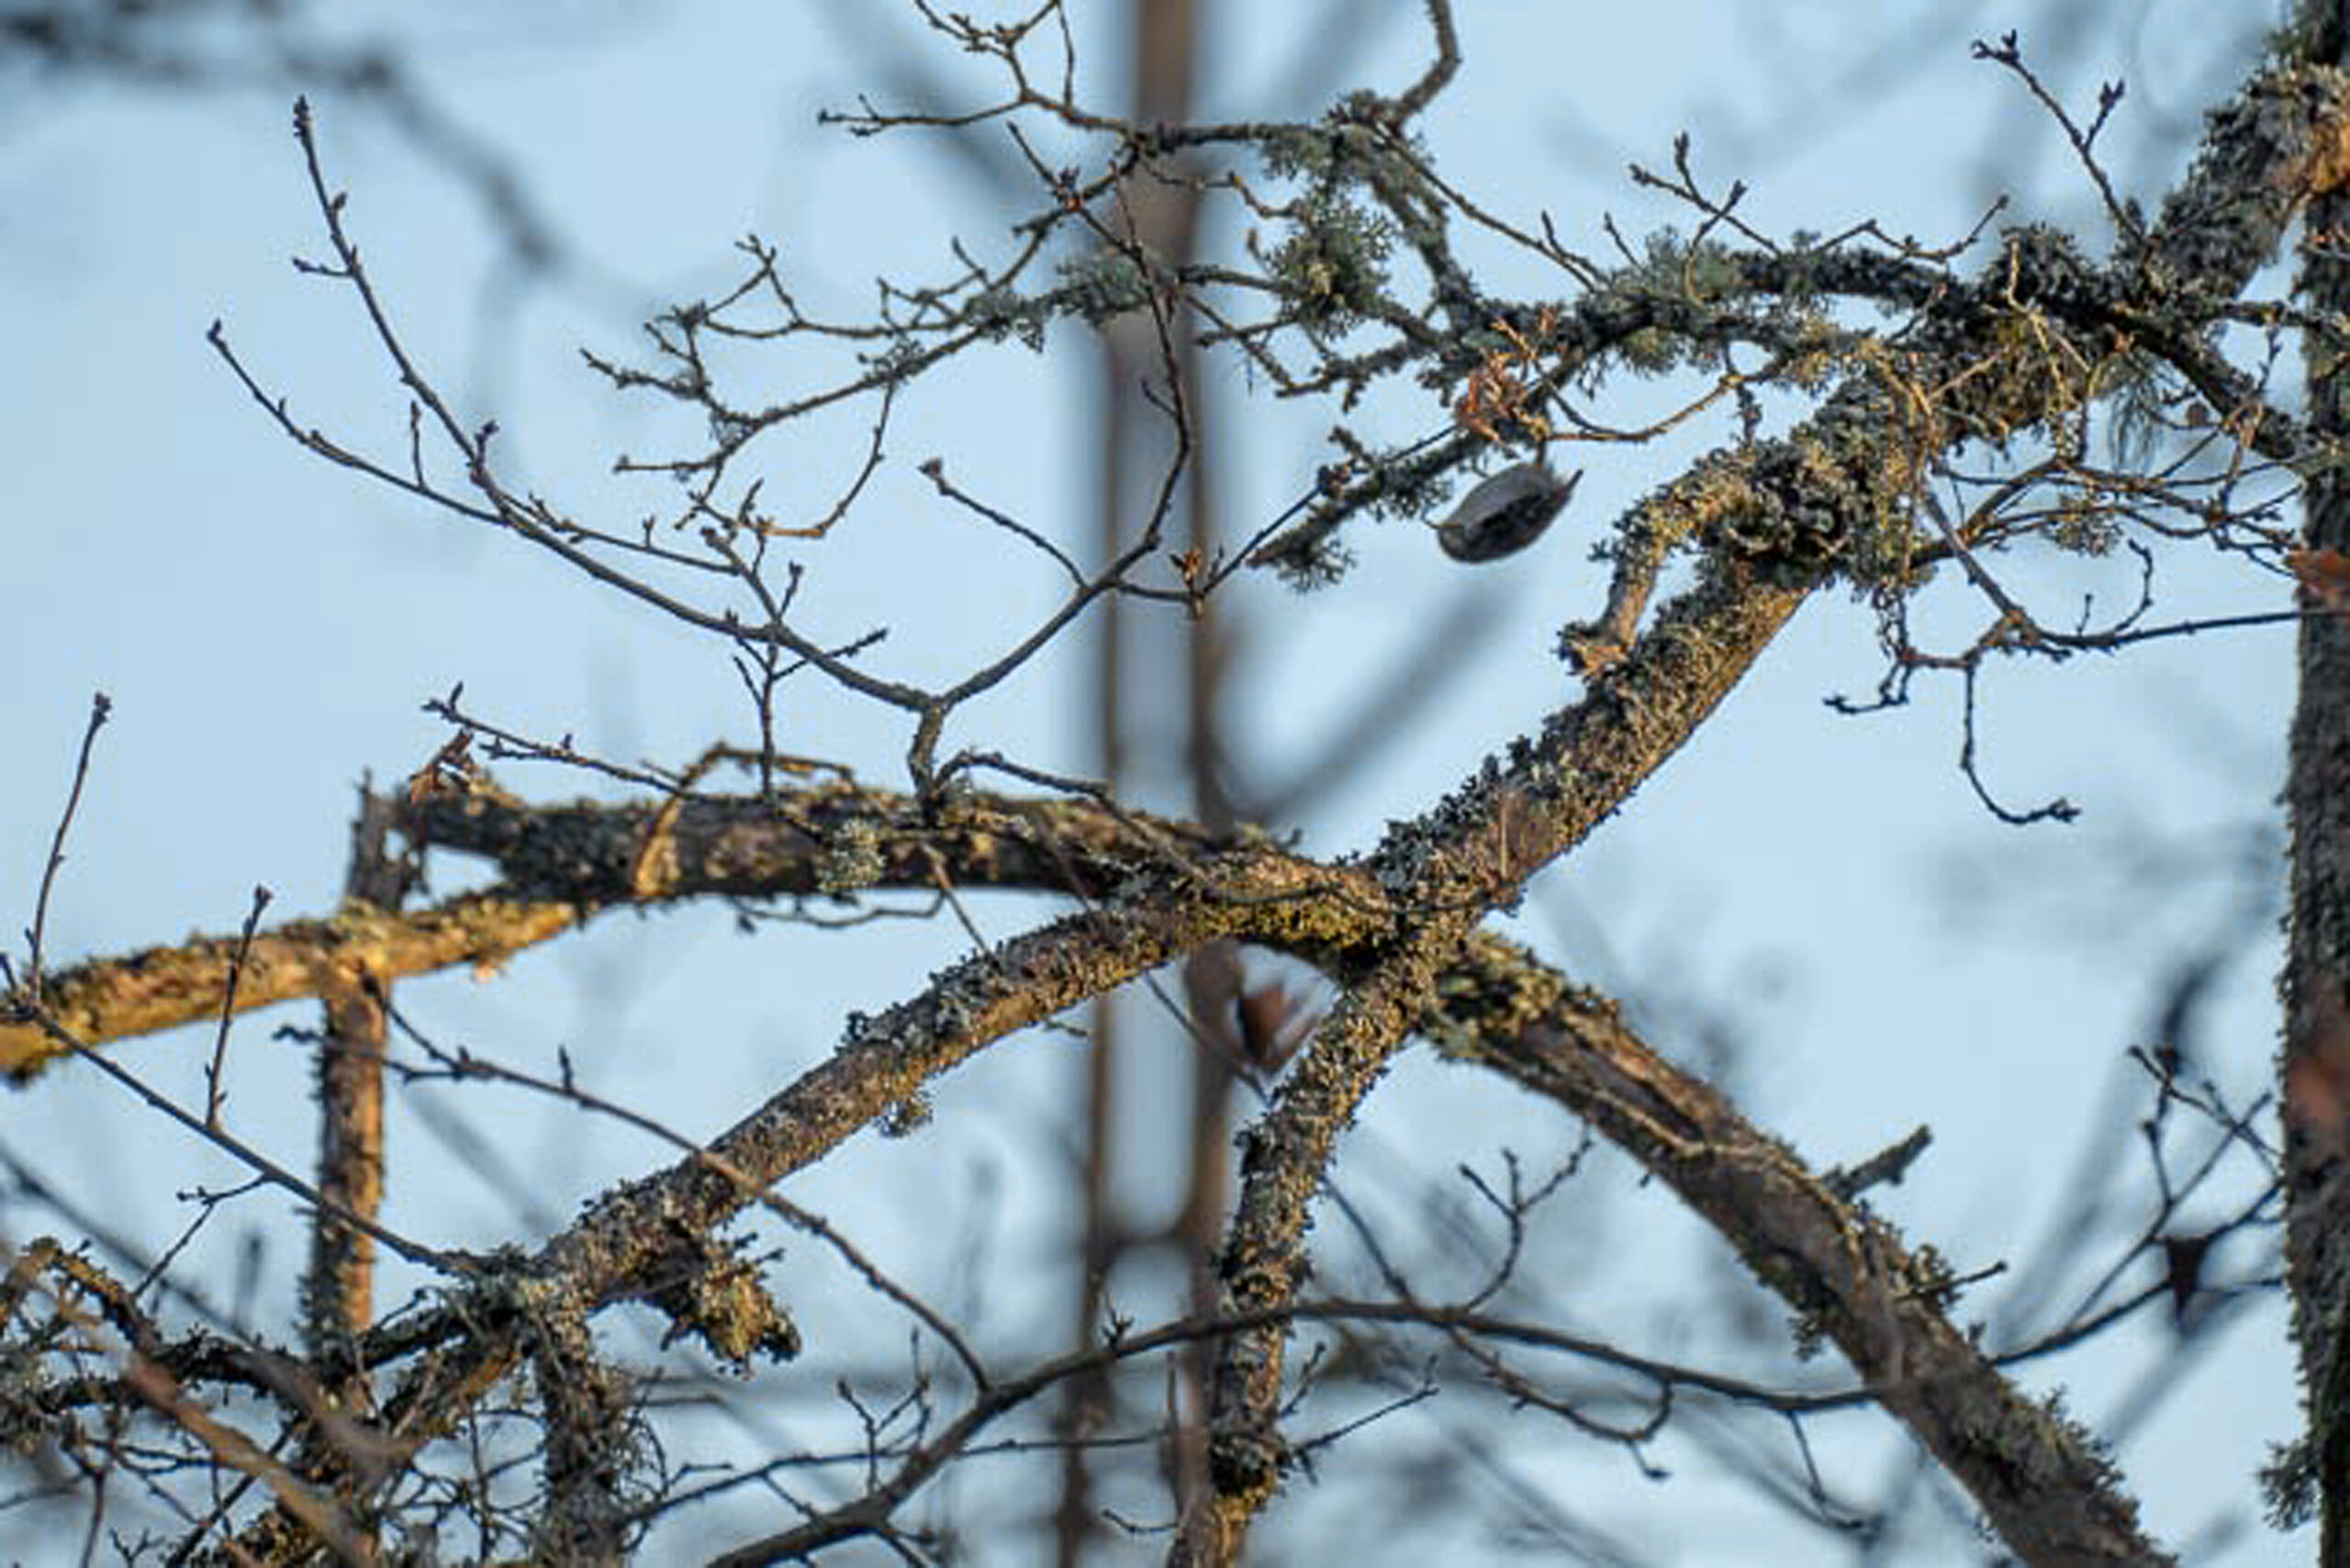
(1813, 905)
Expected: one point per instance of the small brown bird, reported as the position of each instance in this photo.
(1505, 513)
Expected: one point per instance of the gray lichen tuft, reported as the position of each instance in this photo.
(850, 858)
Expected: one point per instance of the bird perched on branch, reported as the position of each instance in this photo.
(1505, 513)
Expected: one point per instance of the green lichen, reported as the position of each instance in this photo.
(1674, 268)
(1002, 313)
(1103, 287)
(1333, 266)
(850, 858)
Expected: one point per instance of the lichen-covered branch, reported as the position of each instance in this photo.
(2315, 1062)
(2039, 1479)
(651, 1239)
(108, 999)
(564, 863)
(1471, 854)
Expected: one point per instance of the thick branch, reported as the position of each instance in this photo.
(2316, 982)
(2040, 1480)
(1472, 853)
(649, 1239)
(562, 862)
(106, 998)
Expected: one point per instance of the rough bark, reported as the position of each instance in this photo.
(2315, 1064)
